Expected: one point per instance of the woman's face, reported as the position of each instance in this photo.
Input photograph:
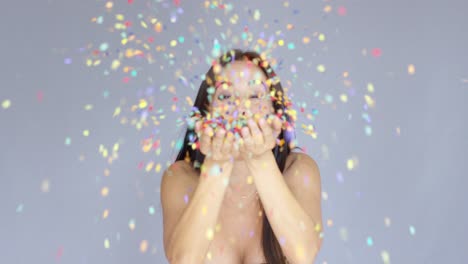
(241, 91)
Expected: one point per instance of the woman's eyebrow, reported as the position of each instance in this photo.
(251, 82)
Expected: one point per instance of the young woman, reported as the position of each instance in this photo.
(236, 193)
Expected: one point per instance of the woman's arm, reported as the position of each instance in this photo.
(195, 230)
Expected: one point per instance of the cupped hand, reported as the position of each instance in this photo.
(261, 136)
(216, 144)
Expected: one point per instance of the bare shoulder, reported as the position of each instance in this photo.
(301, 161)
(183, 169)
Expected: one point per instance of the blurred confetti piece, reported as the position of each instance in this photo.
(370, 87)
(19, 208)
(67, 141)
(209, 234)
(411, 69)
(40, 96)
(45, 186)
(412, 230)
(321, 37)
(369, 101)
(67, 61)
(151, 210)
(352, 163)
(116, 112)
(132, 224)
(105, 214)
(370, 242)
(385, 257)
(387, 221)
(106, 243)
(105, 191)
(342, 10)
(344, 234)
(88, 107)
(6, 104)
(143, 246)
(321, 68)
(376, 52)
(86, 133)
(398, 131)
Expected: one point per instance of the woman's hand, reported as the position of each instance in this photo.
(260, 137)
(219, 145)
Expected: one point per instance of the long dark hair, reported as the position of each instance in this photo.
(271, 248)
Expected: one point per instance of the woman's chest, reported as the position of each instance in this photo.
(237, 241)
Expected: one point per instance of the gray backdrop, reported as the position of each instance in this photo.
(401, 202)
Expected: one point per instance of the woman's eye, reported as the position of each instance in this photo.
(256, 96)
(221, 97)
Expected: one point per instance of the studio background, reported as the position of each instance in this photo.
(93, 96)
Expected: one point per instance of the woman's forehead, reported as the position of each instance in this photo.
(241, 71)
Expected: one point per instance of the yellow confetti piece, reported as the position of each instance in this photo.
(385, 257)
(86, 133)
(158, 168)
(143, 246)
(6, 104)
(105, 214)
(369, 101)
(116, 112)
(281, 42)
(119, 17)
(209, 234)
(257, 15)
(143, 103)
(318, 227)
(234, 19)
(106, 243)
(208, 255)
(149, 166)
(300, 252)
(411, 69)
(344, 98)
(218, 22)
(370, 87)
(115, 64)
(321, 37)
(305, 40)
(352, 163)
(327, 9)
(250, 180)
(88, 107)
(320, 68)
(109, 5)
(173, 43)
(143, 24)
(105, 191)
(132, 224)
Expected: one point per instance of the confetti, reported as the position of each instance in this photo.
(6, 104)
